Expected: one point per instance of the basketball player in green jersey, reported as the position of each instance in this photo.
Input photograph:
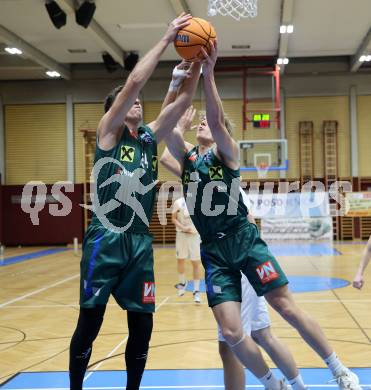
(230, 244)
(117, 249)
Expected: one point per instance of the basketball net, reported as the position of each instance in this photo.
(235, 8)
(262, 170)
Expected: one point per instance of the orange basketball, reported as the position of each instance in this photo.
(189, 41)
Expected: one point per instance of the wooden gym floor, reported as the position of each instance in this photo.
(38, 313)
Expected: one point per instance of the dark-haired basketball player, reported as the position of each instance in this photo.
(117, 250)
(230, 244)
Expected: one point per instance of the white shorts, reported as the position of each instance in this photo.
(187, 246)
(254, 310)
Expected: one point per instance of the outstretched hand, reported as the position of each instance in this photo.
(208, 63)
(185, 122)
(177, 24)
(180, 72)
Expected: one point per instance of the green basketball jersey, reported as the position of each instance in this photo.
(122, 180)
(212, 192)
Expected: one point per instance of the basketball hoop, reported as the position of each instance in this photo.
(235, 8)
(262, 170)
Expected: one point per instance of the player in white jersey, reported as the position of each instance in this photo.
(187, 247)
(256, 322)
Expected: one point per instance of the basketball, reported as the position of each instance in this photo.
(190, 40)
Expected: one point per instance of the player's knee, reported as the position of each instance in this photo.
(232, 335)
(263, 337)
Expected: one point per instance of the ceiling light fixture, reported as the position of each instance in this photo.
(13, 50)
(365, 57)
(282, 61)
(286, 28)
(56, 14)
(53, 73)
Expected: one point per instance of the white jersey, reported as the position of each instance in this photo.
(182, 215)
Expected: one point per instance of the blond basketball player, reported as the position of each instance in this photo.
(358, 281)
(231, 244)
(187, 247)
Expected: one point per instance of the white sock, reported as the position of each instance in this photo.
(182, 278)
(334, 364)
(297, 383)
(196, 285)
(270, 381)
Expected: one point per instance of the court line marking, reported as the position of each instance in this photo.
(190, 303)
(118, 346)
(30, 294)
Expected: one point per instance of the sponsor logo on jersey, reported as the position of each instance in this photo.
(127, 153)
(146, 137)
(207, 156)
(154, 163)
(148, 295)
(216, 173)
(186, 177)
(266, 272)
(193, 157)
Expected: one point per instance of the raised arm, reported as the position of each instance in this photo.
(111, 123)
(227, 147)
(173, 155)
(180, 72)
(358, 281)
(170, 115)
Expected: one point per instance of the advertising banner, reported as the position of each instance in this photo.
(319, 228)
(358, 204)
(289, 205)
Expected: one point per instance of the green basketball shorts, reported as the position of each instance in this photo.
(117, 264)
(245, 251)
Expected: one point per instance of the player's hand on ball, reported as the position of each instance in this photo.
(177, 24)
(208, 63)
(180, 72)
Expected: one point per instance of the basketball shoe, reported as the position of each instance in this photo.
(347, 380)
(181, 287)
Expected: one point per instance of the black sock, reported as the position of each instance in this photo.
(140, 330)
(88, 325)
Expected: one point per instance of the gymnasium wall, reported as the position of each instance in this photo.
(43, 126)
(51, 229)
(1, 212)
(318, 109)
(364, 135)
(35, 143)
(86, 116)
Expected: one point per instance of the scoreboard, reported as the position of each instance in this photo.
(261, 121)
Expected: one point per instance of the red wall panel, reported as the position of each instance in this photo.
(18, 228)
